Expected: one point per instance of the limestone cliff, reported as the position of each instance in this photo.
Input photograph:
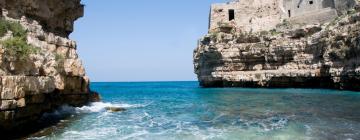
(39, 66)
(318, 55)
(55, 16)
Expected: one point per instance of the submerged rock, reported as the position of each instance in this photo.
(95, 97)
(115, 109)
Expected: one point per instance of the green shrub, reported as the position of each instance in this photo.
(223, 24)
(213, 35)
(274, 32)
(351, 11)
(60, 61)
(3, 27)
(59, 57)
(17, 47)
(284, 24)
(15, 27)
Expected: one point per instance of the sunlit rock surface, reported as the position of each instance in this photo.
(316, 55)
(49, 78)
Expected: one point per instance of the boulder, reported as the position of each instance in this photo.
(115, 109)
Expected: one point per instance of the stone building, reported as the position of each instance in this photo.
(257, 15)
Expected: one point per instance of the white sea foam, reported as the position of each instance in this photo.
(92, 108)
(37, 138)
(89, 134)
(100, 106)
(135, 135)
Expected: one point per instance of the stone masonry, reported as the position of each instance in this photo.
(258, 15)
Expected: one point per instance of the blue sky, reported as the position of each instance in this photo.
(141, 40)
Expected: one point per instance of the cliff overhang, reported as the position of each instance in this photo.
(55, 16)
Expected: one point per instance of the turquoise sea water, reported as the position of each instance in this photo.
(184, 111)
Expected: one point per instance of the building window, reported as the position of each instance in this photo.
(231, 14)
(311, 2)
(289, 13)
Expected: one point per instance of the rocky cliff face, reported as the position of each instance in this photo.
(325, 56)
(39, 66)
(55, 16)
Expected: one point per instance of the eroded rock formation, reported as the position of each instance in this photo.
(320, 55)
(55, 16)
(51, 74)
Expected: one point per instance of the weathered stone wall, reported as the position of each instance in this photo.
(250, 15)
(342, 5)
(301, 7)
(324, 56)
(260, 15)
(321, 16)
(46, 79)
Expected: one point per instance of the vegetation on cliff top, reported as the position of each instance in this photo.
(16, 46)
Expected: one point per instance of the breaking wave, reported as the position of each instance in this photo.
(101, 106)
(66, 110)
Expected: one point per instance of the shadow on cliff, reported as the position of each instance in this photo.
(55, 117)
(48, 123)
(349, 74)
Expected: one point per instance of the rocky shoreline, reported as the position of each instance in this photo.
(306, 56)
(39, 67)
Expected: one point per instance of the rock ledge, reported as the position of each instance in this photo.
(311, 56)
